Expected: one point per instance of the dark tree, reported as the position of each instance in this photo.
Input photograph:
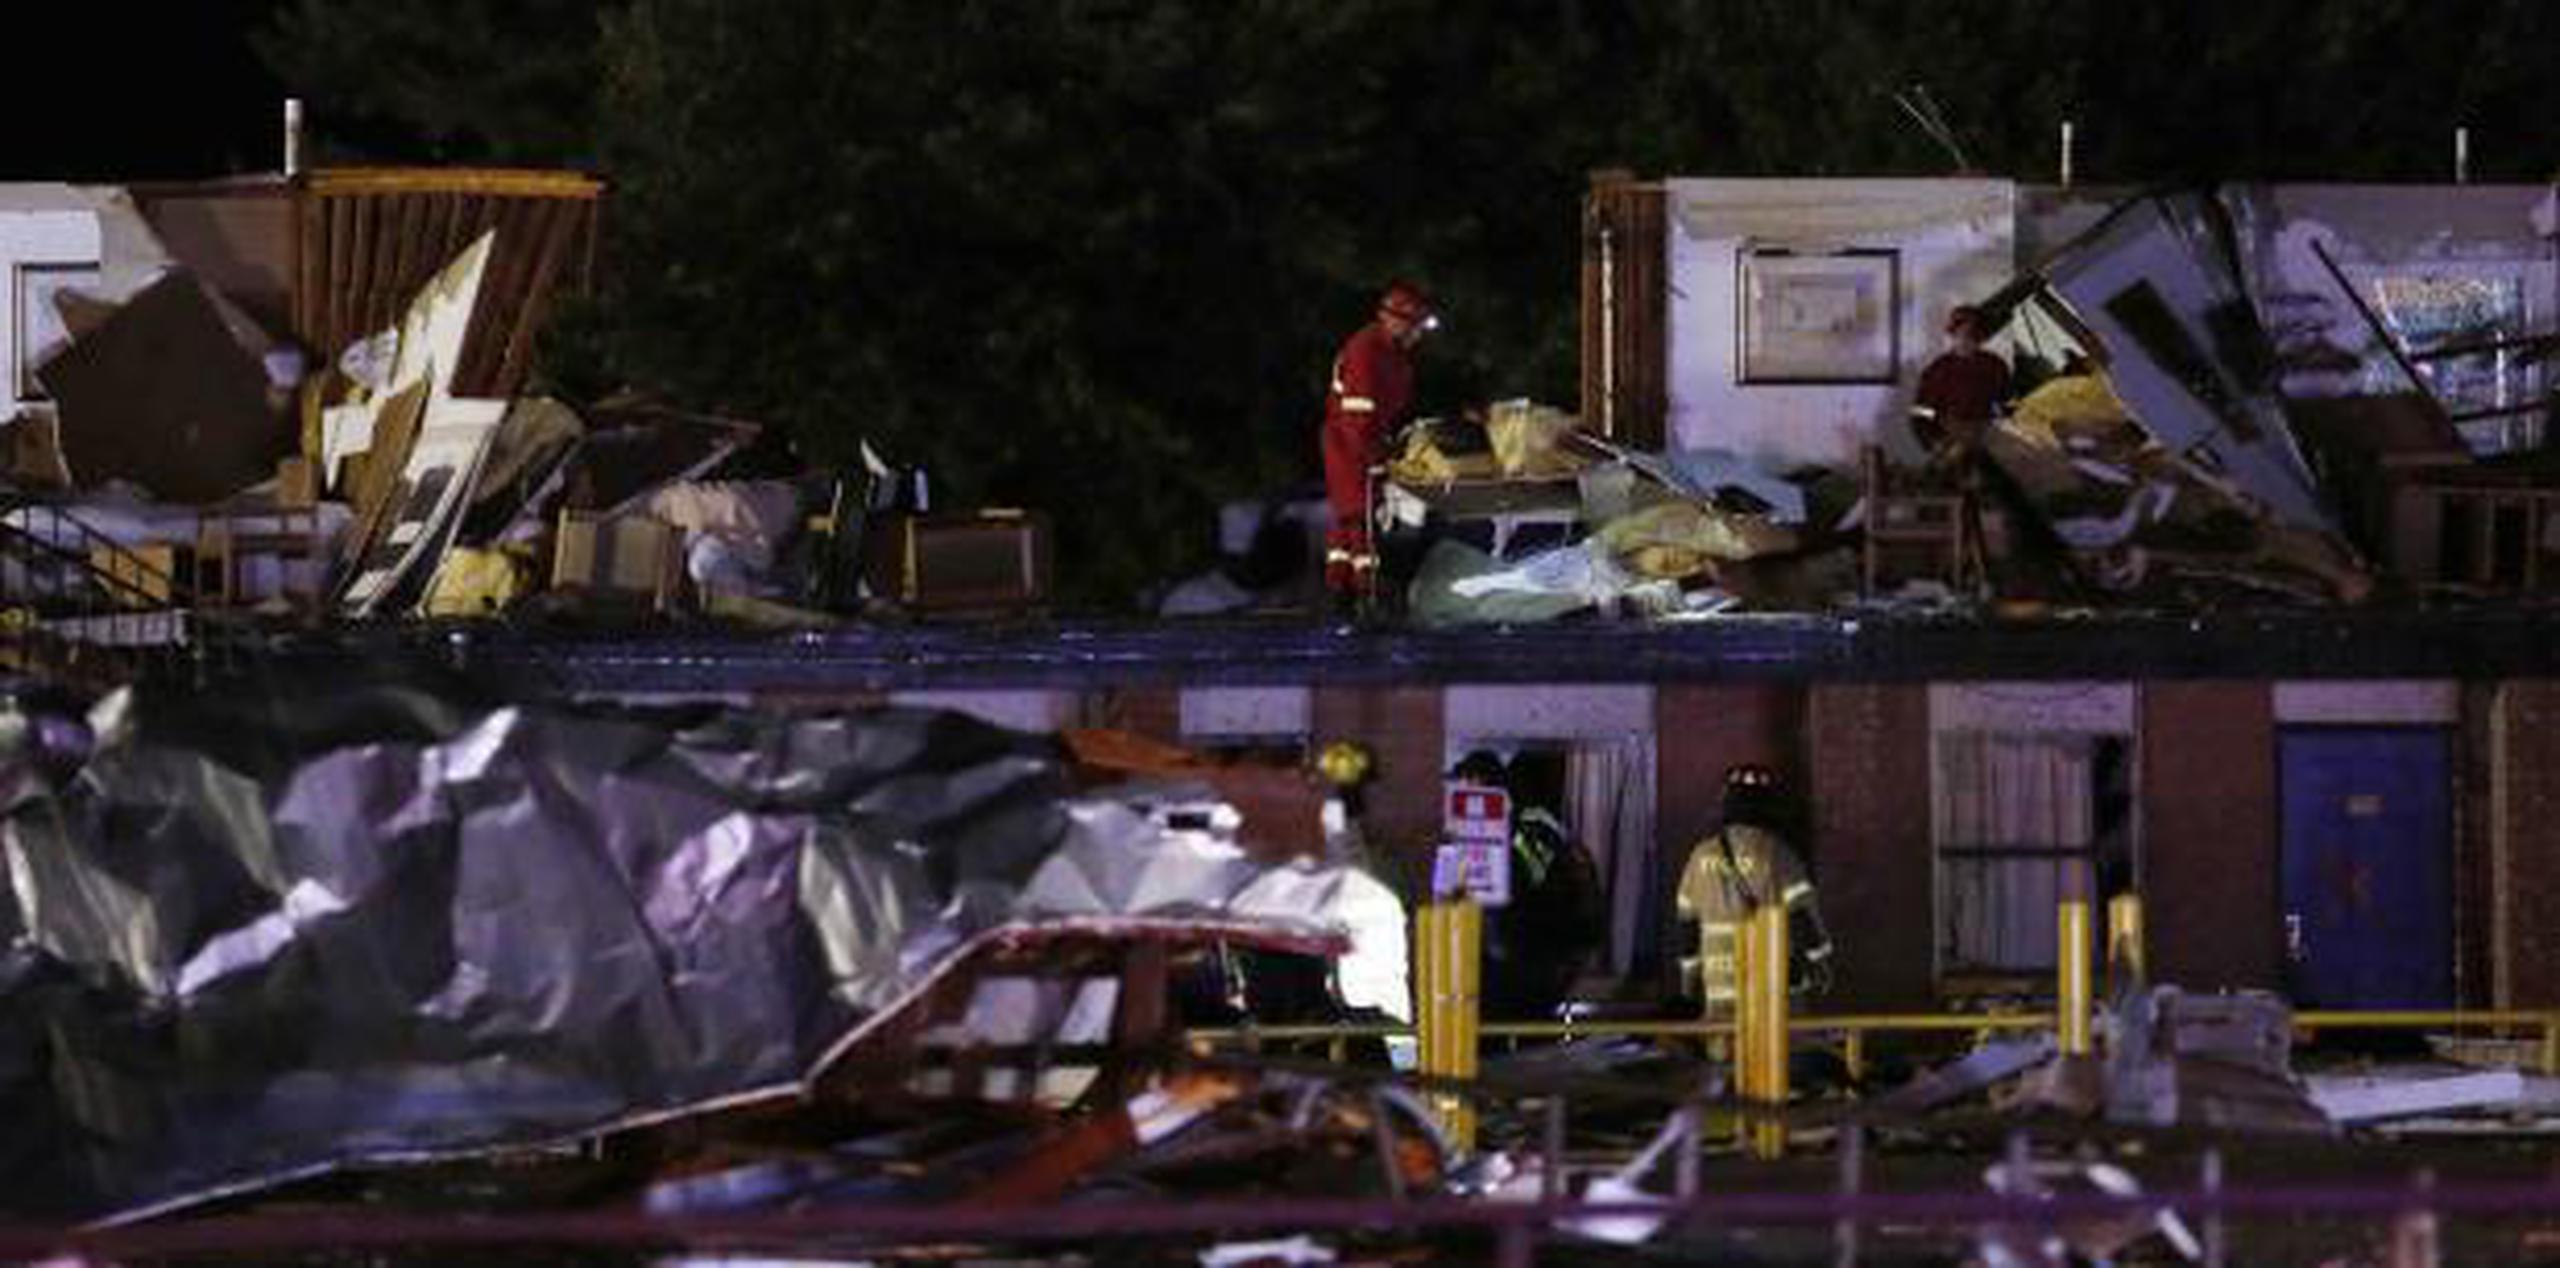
(459, 81)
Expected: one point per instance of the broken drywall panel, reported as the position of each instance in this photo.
(426, 505)
(2433, 267)
(162, 395)
(43, 249)
(2184, 350)
(438, 320)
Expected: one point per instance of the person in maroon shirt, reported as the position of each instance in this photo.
(1962, 389)
(1371, 392)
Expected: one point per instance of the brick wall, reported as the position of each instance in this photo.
(2209, 834)
(2525, 841)
(819, 701)
(1402, 727)
(1154, 712)
(1867, 750)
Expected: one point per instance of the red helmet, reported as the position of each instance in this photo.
(1405, 300)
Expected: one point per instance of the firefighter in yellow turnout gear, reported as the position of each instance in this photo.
(1744, 864)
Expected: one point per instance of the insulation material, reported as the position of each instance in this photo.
(261, 935)
(1676, 540)
(1430, 460)
(2068, 410)
(2138, 519)
(477, 582)
(1457, 584)
(1528, 440)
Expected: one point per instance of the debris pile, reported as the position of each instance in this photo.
(252, 939)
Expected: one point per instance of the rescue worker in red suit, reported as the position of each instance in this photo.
(1961, 391)
(1371, 392)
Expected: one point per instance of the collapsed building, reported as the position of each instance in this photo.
(2332, 398)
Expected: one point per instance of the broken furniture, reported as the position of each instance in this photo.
(1912, 517)
(627, 558)
(235, 536)
(2477, 528)
(2224, 1060)
(1530, 478)
(995, 560)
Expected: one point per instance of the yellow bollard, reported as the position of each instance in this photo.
(2124, 937)
(1746, 1017)
(2071, 970)
(1448, 967)
(1769, 1045)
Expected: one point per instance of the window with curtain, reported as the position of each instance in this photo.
(1606, 786)
(1609, 806)
(2017, 826)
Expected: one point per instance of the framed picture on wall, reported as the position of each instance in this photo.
(1819, 317)
(39, 324)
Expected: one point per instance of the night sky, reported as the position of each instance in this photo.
(139, 92)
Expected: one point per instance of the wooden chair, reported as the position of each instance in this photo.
(228, 536)
(1909, 516)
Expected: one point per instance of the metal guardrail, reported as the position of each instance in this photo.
(1854, 1029)
(1447, 949)
(82, 608)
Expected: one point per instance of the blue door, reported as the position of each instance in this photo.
(2368, 893)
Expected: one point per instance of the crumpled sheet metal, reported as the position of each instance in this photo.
(252, 939)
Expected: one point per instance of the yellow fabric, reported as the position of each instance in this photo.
(2065, 405)
(1423, 463)
(473, 582)
(1674, 540)
(1527, 440)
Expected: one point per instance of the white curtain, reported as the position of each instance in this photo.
(1609, 808)
(1998, 791)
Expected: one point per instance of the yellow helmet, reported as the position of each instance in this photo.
(1343, 763)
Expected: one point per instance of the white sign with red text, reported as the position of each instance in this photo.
(1475, 812)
